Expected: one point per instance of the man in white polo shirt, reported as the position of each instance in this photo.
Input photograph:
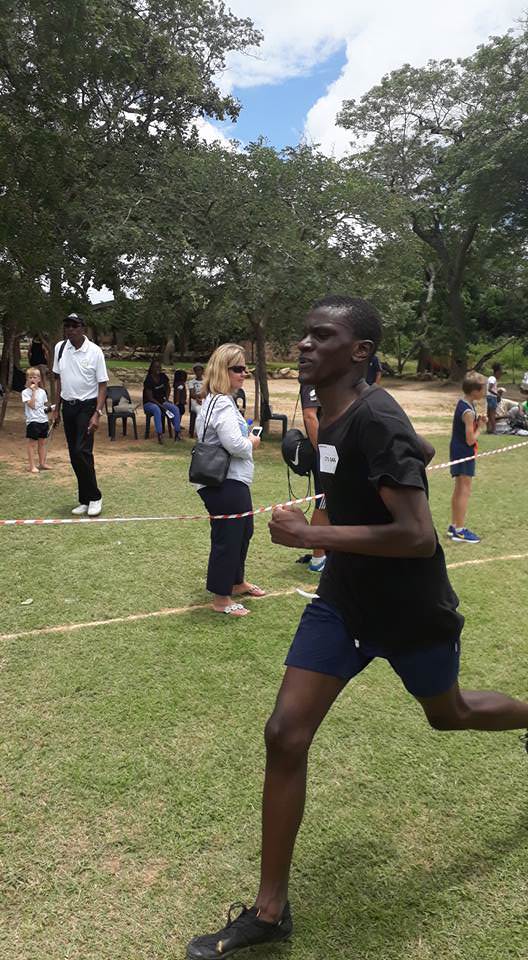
(80, 374)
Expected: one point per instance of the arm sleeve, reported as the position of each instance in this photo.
(393, 452)
(26, 395)
(56, 357)
(309, 400)
(100, 369)
(227, 425)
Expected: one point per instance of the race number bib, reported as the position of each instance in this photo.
(328, 458)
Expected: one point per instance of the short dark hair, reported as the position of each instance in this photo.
(360, 314)
(496, 366)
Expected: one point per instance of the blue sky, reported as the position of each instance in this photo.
(316, 54)
(278, 111)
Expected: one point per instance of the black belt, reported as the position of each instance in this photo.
(74, 403)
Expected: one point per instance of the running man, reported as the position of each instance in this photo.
(383, 552)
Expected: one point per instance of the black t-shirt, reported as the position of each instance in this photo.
(398, 603)
(160, 391)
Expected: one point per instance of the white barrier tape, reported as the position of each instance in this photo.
(60, 521)
(55, 521)
(487, 453)
(177, 611)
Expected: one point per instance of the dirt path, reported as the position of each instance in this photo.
(425, 401)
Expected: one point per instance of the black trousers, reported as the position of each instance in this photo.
(76, 417)
(229, 538)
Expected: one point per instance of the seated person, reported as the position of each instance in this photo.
(195, 396)
(156, 391)
(180, 390)
(504, 405)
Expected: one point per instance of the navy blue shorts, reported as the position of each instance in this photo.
(466, 469)
(324, 644)
(492, 402)
(457, 452)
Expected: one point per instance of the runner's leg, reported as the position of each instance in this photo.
(302, 703)
(474, 710)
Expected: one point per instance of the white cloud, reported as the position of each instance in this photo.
(379, 36)
(211, 134)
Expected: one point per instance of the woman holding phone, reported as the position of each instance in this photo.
(220, 422)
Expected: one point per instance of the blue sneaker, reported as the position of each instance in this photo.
(465, 536)
(317, 564)
(451, 530)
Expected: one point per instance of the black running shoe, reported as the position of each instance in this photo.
(245, 930)
(306, 557)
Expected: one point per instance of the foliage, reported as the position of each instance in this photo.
(89, 92)
(449, 141)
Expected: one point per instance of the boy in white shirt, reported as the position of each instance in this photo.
(35, 402)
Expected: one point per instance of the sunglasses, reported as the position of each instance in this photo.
(239, 368)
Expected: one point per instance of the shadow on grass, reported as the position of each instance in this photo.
(359, 893)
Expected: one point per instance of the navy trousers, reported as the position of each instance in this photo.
(229, 538)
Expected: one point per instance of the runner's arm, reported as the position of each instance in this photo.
(311, 424)
(410, 534)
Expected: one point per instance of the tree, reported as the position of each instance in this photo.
(267, 231)
(90, 92)
(449, 141)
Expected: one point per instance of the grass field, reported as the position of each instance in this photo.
(132, 755)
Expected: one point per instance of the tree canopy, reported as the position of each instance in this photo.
(104, 180)
(448, 140)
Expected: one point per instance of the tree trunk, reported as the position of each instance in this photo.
(58, 314)
(256, 406)
(183, 343)
(400, 361)
(7, 364)
(459, 339)
(423, 350)
(168, 351)
(423, 356)
(261, 372)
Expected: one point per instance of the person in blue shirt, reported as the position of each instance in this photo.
(464, 436)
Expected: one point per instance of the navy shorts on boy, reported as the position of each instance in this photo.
(391, 606)
(458, 447)
(37, 431)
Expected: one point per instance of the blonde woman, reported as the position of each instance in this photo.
(224, 375)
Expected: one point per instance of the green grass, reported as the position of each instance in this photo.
(132, 757)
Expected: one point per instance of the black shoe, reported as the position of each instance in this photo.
(306, 557)
(524, 740)
(246, 930)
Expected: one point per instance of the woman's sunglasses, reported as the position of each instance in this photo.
(239, 368)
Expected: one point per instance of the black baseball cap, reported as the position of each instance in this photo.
(74, 320)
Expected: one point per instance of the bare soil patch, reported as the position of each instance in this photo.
(428, 402)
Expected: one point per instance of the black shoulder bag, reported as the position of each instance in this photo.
(209, 461)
